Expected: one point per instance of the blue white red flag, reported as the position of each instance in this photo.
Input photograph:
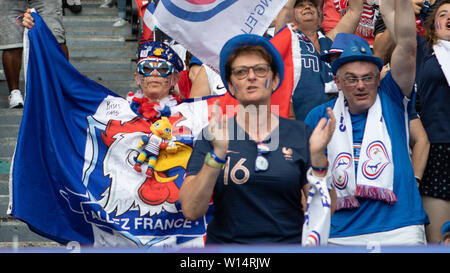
(316, 225)
(149, 22)
(72, 175)
(203, 26)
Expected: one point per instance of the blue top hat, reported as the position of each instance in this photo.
(340, 41)
(249, 39)
(160, 50)
(356, 50)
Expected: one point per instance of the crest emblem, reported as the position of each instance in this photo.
(377, 162)
(287, 153)
(341, 164)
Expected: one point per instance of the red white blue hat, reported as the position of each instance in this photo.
(160, 50)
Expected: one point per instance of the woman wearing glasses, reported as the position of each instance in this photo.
(157, 73)
(254, 164)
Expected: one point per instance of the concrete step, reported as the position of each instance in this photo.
(11, 116)
(7, 146)
(106, 76)
(89, 20)
(14, 230)
(4, 201)
(89, 41)
(9, 130)
(103, 52)
(4, 180)
(102, 64)
(97, 30)
(93, 9)
(16, 246)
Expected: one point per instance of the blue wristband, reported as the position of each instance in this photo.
(218, 159)
(319, 169)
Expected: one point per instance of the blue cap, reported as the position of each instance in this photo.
(160, 50)
(340, 41)
(445, 228)
(249, 39)
(356, 50)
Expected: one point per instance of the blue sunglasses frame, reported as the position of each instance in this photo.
(164, 68)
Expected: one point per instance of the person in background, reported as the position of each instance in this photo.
(433, 89)
(334, 10)
(370, 166)
(121, 19)
(385, 39)
(73, 5)
(11, 37)
(383, 43)
(157, 73)
(316, 79)
(253, 165)
(206, 82)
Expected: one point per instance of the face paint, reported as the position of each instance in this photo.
(141, 77)
(267, 83)
(234, 87)
(438, 25)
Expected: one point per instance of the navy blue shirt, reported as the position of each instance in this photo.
(310, 90)
(434, 97)
(258, 207)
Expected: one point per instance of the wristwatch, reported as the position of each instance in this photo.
(210, 161)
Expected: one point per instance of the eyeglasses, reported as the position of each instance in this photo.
(147, 67)
(367, 80)
(260, 70)
(261, 163)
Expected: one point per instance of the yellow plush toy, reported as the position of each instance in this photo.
(159, 138)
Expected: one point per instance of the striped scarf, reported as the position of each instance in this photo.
(368, 16)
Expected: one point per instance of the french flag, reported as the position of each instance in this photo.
(146, 11)
(72, 177)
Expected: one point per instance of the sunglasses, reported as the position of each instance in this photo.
(147, 67)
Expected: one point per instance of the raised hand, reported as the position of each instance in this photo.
(320, 138)
(218, 130)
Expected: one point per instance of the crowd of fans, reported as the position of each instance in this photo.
(396, 70)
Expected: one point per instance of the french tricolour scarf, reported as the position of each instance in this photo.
(374, 176)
